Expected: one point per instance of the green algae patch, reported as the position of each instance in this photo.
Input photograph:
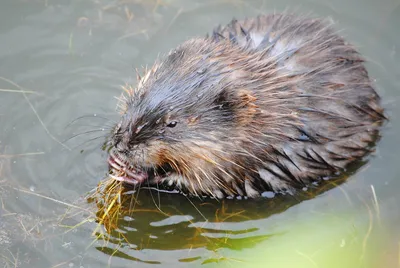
(319, 242)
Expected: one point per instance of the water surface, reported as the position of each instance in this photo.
(61, 60)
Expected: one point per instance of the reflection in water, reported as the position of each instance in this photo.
(160, 220)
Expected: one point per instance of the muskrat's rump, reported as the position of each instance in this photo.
(270, 103)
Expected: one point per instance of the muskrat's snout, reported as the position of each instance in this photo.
(122, 169)
(138, 144)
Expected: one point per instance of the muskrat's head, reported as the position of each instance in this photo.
(184, 125)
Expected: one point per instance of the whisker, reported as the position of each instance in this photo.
(105, 126)
(95, 138)
(83, 133)
(87, 116)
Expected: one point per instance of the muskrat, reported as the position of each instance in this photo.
(271, 103)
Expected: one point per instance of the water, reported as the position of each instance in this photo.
(61, 60)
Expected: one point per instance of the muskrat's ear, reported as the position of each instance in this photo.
(247, 107)
(239, 104)
(224, 101)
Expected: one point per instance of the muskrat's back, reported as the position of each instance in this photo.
(269, 103)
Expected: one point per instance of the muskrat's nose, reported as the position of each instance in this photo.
(121, 147)
(123, 151)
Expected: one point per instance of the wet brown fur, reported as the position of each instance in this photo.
(270, 103)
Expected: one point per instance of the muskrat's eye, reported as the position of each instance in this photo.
(172, 124)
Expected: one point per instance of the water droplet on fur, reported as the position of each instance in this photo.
(201, 71)
(268, 194)
(303, 137)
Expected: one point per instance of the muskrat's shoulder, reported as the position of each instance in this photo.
(265, 30)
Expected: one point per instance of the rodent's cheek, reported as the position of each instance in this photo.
(159, 153)
(190, 157)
